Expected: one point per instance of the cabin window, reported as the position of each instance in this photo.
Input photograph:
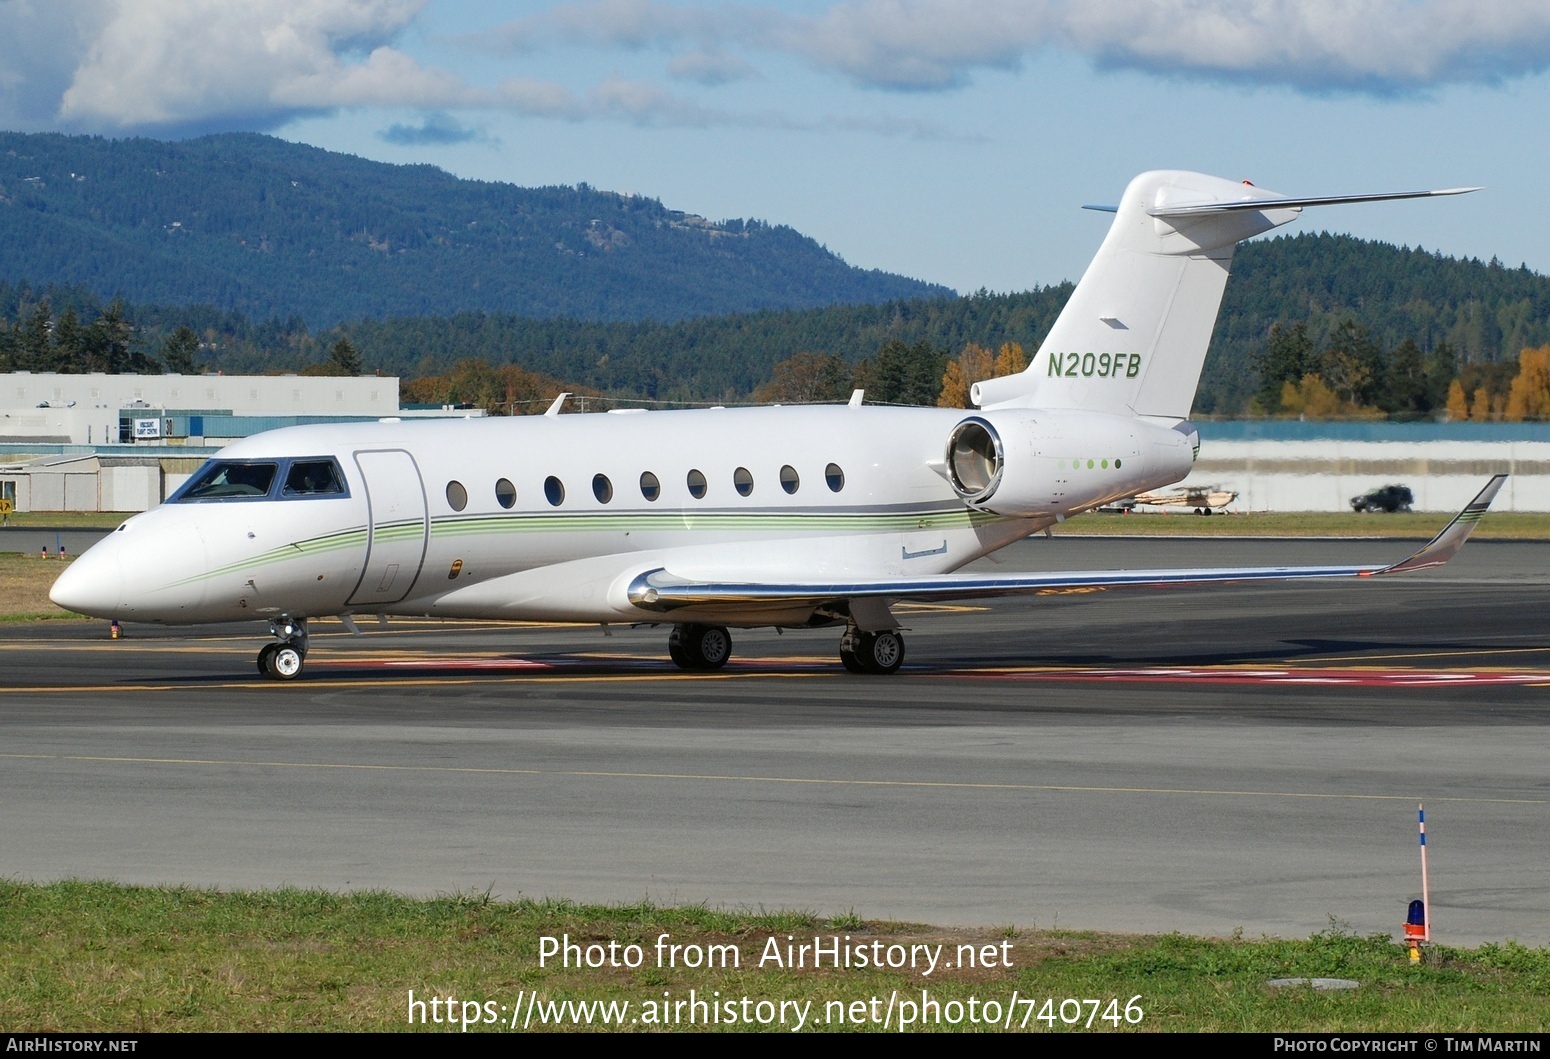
(457, 496)
(554, 490)
(227, 480)
(650, 488)
(697, 485)
(313, 478)
(789, 481)
(742, 481)
(505, 493)
(835, 477)
(602, 488)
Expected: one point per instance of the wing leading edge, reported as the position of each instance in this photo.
(659, 590)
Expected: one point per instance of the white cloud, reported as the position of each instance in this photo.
(711, 67)
(1380, 46)
(181, 63)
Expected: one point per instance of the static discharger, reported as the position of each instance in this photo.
(1418, 925)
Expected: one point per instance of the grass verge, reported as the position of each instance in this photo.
(1498, 525)
(24, 583)
(67, 519)
(85, 956)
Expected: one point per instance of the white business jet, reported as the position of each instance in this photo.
(791, 517)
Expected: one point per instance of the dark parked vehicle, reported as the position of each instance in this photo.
(1388, 498)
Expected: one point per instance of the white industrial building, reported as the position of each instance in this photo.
(101, 442)
(1296, 466)
(93, 409)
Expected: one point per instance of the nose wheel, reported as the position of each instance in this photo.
(284, 660)
(871, 652)
(699, 646)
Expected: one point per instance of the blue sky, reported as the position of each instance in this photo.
(950, 140)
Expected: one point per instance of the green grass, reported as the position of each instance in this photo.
(24, 583)
(1499, 525)
(67, 519)
(82, 956)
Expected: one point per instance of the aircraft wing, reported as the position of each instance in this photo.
(660, 590)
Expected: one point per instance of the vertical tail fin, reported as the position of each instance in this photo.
(1133, 337)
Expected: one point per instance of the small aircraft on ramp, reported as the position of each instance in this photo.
(793, 517)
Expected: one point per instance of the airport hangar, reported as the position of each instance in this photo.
(100, 442)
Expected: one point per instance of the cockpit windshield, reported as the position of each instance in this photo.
(223, 480)
(312, 478)
(297, 479)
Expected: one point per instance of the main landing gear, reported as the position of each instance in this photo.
(871, 652)
(699, 646)
(283, 660)
(707, 647)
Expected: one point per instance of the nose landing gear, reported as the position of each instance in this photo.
(283, 660)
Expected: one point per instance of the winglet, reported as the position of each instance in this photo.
(559, 402)
(1446, 544)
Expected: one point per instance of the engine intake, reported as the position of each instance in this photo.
(975, 459)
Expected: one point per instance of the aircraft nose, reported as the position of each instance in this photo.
(93, 584)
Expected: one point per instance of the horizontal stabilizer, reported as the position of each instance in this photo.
(1279, 203)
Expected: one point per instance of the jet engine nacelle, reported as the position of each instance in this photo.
(1027, 463)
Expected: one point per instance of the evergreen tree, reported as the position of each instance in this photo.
(344, 359)
(179, 349)
(1288, 356)
(37, 343)
(1405, 391)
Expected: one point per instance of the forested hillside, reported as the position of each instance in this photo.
(1387, 330)
(268, 228)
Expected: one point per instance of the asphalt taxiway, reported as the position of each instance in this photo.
(1188, 759)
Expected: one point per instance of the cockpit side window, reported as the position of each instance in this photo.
(313, 478)
(230, 480)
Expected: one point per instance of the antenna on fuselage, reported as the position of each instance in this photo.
(559, 402)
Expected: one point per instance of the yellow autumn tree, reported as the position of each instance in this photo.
(1458, 404)
(1529, 397)
(1010, 360)
(1480, 409)
(975, 364)
(969, 367)
(1313, 399)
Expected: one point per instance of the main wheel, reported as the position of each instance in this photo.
(284, 661)
(710, 645)
(700, 646)
(851, 660)
(881, 652)
(676, 652)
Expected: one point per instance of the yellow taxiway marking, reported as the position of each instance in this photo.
(793, 780)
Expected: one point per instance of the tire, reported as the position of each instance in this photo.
(285, 662)
(852, 661)
(882, 652)
(265, 657)
(700, 646)
(711, 646)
